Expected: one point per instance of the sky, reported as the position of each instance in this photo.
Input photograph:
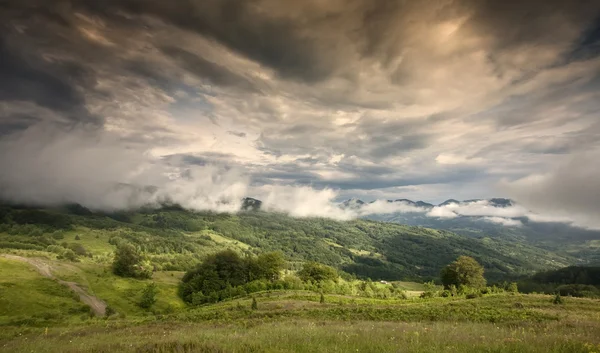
(113, 104)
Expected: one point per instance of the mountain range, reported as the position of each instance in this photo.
(498, 218)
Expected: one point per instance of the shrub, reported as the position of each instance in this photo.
(69, 255)
(129, 262)
(77, 237)
(473, 295)
(427, 294)
(148, 296)
(254, 304)
(512, 288)
(322, 299)
(557, 299)
(79, 249)
(109, 311)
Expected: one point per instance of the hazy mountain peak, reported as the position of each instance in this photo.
(448, 202)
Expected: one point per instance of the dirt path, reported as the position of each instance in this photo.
(97, 305)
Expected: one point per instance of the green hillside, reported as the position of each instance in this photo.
(176, 239)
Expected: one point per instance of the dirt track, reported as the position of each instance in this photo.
(97, 305)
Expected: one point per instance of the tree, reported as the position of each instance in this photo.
(266, 266)
(314, 271)
(148, 296)
(223, 274)
(465, 271)
(129, 262)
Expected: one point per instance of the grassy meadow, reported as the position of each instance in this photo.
(37, 314)
(297, 322)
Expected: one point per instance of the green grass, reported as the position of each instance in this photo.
(122, 294)
(95, 241)
(221, 240)
(39, 315)
(28, 298)
(313, 336)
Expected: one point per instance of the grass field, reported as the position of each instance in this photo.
(27, 298)
(309, 326)
(39, 315)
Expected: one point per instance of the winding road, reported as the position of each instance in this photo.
(97, 305)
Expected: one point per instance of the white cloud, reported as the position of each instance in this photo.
(507, 222)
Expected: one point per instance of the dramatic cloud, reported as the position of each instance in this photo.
(303, 104)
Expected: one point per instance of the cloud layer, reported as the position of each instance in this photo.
(205, 102)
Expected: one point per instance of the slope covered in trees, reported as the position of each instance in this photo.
(175, 239)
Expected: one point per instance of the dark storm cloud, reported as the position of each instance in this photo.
(514, 23)
(241, 25)
(213, 72)
(24, 77)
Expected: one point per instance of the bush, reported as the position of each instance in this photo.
(79, 249)
(129, 262)
(69, 255)
(109, 311)
(557, 299)
(512, 288)
(148, 296)
(427, 294)
(254, 304)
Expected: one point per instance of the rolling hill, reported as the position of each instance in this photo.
(176, 239)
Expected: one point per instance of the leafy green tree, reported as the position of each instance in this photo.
(266, 266)
(129, 262)
(465, 271)
(314, 271)
(226, 274)
(148, 296)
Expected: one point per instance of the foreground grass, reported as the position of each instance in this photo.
(314, 336)
(297, 322)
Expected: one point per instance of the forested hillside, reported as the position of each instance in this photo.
(177, 239)
(581, 243)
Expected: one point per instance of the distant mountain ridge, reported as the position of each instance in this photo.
(496, 202)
